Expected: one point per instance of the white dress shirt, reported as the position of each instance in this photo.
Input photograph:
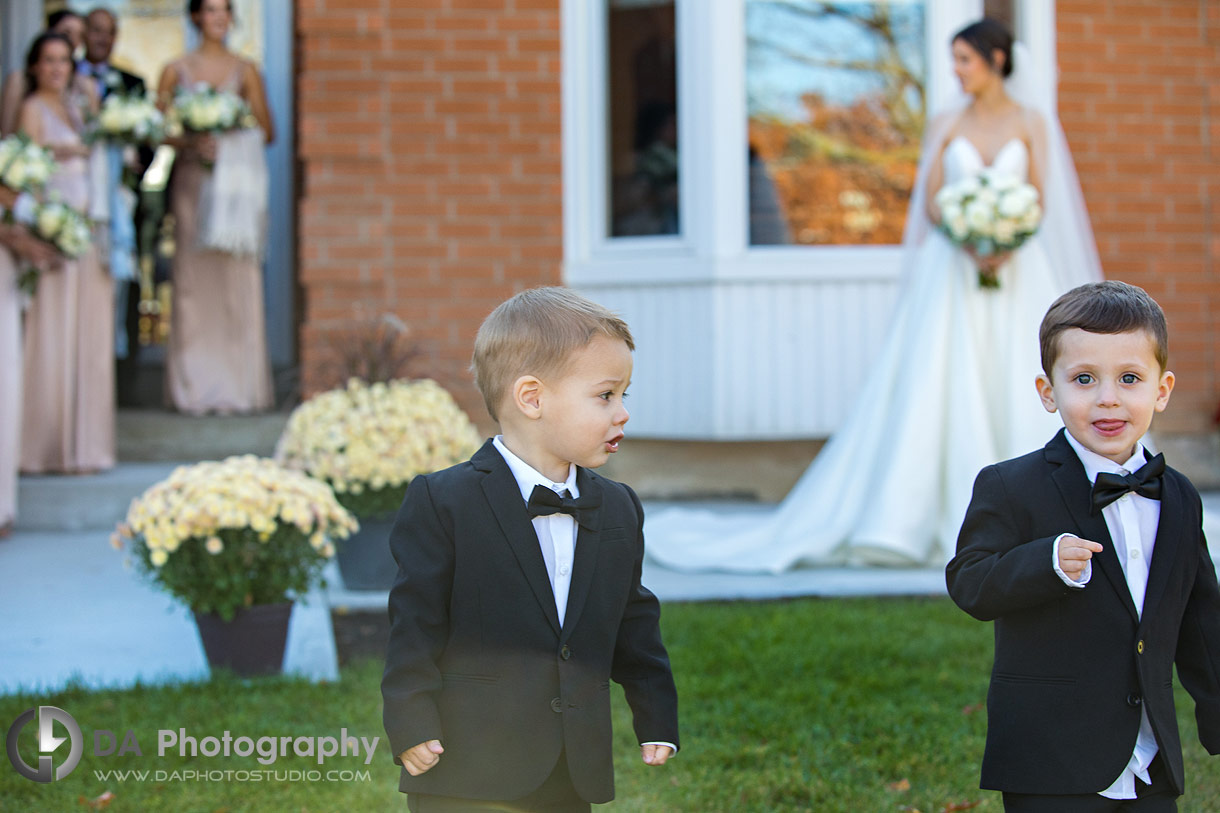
(556, 532)
(1132, 522)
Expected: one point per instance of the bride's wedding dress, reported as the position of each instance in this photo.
(952, 392)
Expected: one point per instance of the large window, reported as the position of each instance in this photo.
(643, 119)
(836, 104)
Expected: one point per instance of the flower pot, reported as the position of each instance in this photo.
(252, 643)
(364, 557)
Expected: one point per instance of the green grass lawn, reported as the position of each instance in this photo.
(844, 705)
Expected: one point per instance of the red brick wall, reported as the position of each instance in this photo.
(1140, 106)
(431, 170)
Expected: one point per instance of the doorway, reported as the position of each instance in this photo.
(152, 33)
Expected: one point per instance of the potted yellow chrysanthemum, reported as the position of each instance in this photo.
(368, 441)
(236, 541)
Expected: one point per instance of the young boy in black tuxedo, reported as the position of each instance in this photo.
(1089, 556)
(518, 595)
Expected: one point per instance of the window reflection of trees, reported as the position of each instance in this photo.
(836, 99)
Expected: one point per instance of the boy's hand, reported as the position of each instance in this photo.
(421, 758)
(1074, 555)
(655, 754)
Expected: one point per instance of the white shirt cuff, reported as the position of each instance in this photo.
(670, 745)
(1068, 580)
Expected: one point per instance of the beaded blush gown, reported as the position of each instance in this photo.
(68, 407)
(217, 357)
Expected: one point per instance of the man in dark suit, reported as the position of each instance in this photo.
(101, 31)
(518, 596)
(1089, 556)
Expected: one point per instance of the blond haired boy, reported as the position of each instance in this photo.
(518, 595)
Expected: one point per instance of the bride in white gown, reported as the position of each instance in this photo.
(953, 388)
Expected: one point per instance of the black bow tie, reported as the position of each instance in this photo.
(1145, 481)
(544, 502)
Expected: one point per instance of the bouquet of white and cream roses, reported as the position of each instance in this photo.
(990, 213)
(65, 228)
(24, 166)
(225, 535)
(369, 440)
(204, 109)
(128, 119)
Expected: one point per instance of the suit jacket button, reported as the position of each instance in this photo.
(1134, 700)
(557, 705)
(565, 653)
(1139, 647)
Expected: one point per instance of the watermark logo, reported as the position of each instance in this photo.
(48, 743)
(265, 749)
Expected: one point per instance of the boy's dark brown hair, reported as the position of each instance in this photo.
(1103, 307)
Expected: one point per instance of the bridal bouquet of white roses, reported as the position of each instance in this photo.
(990, 213)
(128, 119)
(204, 109)
(24, 166)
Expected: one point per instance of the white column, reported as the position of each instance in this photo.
(279, 282)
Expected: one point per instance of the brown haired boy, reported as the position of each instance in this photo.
(1089, 556)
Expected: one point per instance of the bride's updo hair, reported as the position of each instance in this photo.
(988, 36)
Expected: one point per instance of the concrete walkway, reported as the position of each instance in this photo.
(72, 610)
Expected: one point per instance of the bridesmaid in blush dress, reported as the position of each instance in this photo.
(217, 360)
(68, 401)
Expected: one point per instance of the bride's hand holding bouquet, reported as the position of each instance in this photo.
(990, 216)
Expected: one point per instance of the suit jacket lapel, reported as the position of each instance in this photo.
(504, 496)
(585, 560)
(1073, 483)
(1169, 535)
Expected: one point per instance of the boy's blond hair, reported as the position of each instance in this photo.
(535, 333)
(1109, 306)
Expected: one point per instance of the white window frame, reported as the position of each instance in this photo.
(745, 342)
(713, 243)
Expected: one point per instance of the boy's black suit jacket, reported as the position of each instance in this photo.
(1073, 667)
(477, 658)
